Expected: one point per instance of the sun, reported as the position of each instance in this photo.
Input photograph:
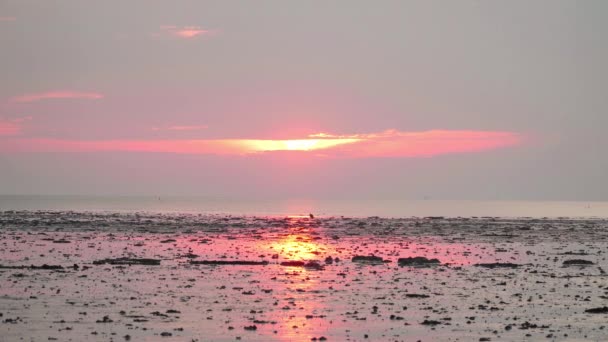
(261, 145)
(300, 145)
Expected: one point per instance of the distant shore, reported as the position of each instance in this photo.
(319, 207)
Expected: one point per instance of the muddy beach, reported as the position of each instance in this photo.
(72, 276)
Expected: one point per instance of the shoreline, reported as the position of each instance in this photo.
(74, 275)
(345, 207)
(319, 217)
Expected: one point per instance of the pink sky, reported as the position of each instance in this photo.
(57, 94)
(406, 98)
(185, 32)
(388, 144)
(9, 128)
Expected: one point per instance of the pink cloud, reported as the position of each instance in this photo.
(9, 128)
(388, 144)
(58, 94)
(182, 128)
(12, 127)
(392, 143)
(185, 31)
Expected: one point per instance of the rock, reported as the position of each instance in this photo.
(105, 319)
(158, 314)
(293, 263)
(47, 267)
(498, 265)
(229, 262)
(313, 265)
(369, 259)
(415, 295)
(417, 261)
(577, 262)
(33, 267)
(127, 261)
(251, 327)
(527, 325)
(576, 253)
(190, 256)
(600, 310)
(430, 322)
(310, 265)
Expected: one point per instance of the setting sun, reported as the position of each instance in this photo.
(300, 145)
(252, 145)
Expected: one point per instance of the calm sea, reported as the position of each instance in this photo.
(385, 208)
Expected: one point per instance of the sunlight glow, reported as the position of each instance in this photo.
(190, 32)
(298, 246)
(291, 145)
(184, 32)
(387, 144)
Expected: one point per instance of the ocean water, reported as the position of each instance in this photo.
(356, 208)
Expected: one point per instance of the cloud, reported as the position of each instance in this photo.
(387, 144)
(392, 143)
(186, 32)
(12, 127)
(7, 19)
(58, 94)
(182, 128)
(8, 128)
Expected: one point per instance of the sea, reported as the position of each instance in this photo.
(291, 207)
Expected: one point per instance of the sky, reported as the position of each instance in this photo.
(489, 100)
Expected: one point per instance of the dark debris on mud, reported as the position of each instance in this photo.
(462, 278)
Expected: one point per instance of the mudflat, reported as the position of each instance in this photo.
(193, 277)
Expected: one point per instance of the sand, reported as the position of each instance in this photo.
(74, 276)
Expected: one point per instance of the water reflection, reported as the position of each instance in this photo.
(284, 303)
(302, 310)
(298, 303)
(298, 244)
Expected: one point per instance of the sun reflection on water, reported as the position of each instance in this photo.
(301, 315)
(298, 246)
(295, 303)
